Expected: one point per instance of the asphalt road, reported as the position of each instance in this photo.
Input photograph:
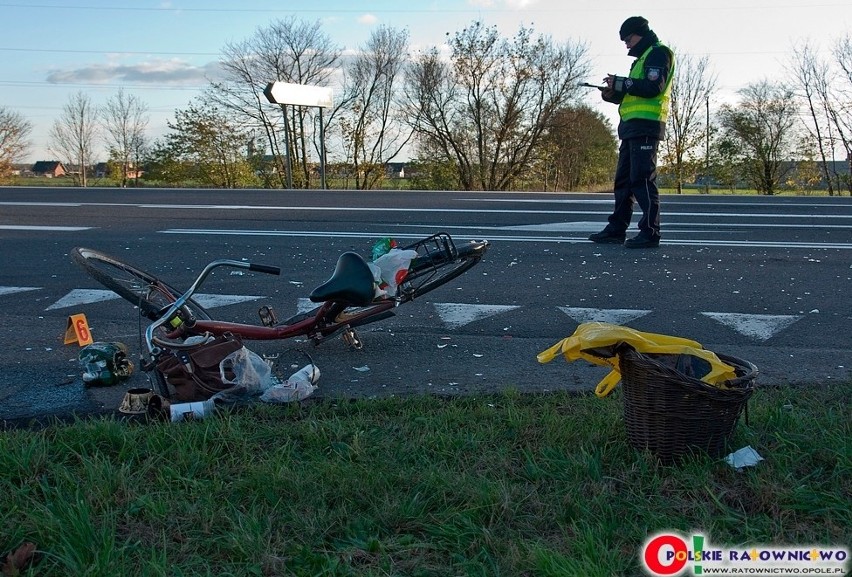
(766, 279)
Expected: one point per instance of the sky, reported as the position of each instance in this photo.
(164, 51)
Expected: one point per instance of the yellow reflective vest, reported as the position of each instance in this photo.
(656, 108)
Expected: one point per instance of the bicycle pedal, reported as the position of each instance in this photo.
(351, 338)
(267, 316)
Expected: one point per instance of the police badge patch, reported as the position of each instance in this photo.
(653, 74)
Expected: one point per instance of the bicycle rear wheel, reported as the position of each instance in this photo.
(438, 267)
(133, 284)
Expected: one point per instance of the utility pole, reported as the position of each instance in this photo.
(707, 146)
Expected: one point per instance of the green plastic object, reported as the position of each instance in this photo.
(105, 364)
(383, 246)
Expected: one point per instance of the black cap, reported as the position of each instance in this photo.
(634, 25)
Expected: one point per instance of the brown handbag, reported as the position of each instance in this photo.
(193, 373)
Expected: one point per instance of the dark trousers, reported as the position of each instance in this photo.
(636, 181)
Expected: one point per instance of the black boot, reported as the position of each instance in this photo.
(607, 237)
(642, 241)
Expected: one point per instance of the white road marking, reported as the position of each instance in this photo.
(79, 297)
(611, 316)
(50, 228)
(756, 326)
(7, 290)
(457, 315)
(409, 210)
(675, 227)
(304, 305)
(502, 238)
(211, 301)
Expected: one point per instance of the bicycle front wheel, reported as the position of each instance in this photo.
(133, 284)
(434, 270)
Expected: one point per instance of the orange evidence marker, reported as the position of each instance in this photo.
(78, 331)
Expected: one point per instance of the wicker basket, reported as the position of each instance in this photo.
(672, 414)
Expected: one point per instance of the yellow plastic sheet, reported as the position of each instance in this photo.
(596, 342)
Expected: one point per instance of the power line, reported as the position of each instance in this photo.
(24, 83)
(397, 10)
(138, 52)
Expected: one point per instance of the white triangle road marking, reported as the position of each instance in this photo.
(757, 326)
(211, 301)
(8, 290)
(611, 316)
(83, 297)
(456, 315)
(79, 297)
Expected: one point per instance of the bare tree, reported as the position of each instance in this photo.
(762, 126)
(841, 114)
(687, 129)
(487, 109)
(370, 123)
(289, 51)
(124, 120)
(812, 75)
(74, 134)
(14, 135)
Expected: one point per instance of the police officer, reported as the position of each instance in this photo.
(643, 104)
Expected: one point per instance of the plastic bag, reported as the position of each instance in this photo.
(378, 291)
(252, 379)
(248, 374)
(300, 385)
(597, 343)
(394, 266)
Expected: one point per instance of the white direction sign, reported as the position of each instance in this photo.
(298, 94)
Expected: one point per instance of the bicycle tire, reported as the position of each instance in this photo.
(131, 283)
(468, 255)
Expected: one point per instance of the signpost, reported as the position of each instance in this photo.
(284, 94)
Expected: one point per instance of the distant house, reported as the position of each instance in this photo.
(395, 169)
(105, 170)
(100, 170)
(49, 168)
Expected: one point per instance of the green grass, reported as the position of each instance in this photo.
(512, 485)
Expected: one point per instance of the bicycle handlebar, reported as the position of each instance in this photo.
(182, 299)
(264, 268)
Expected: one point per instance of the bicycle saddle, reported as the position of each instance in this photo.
(351, 282)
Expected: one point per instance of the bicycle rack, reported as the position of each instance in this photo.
(433, 252)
